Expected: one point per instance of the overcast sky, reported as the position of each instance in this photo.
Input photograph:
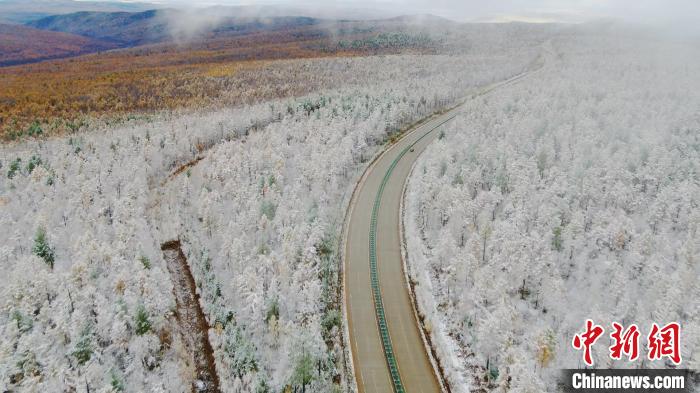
(660, 12)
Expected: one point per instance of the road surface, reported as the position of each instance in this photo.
(388, 353)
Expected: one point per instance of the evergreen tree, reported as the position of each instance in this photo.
(42, 249)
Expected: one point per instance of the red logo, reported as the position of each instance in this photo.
(586, 340)
(665, 342)
(627, 343)
(662, 341)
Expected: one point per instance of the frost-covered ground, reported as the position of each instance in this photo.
(574, 194)
(85, 298)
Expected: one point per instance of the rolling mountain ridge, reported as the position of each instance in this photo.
(23, 44)
(137, 28)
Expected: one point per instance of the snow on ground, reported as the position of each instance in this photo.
(86, 300)
(574, 194)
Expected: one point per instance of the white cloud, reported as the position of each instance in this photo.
(645, 11)
(680, 15)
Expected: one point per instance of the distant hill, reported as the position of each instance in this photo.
(23, 11)
(121, 28)
(201, 60)
(132, 29)
(21, 44)
(215, 26)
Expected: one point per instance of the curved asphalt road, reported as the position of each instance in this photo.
(371, 368)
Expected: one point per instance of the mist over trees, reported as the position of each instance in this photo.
(86, 298)
(571, 195)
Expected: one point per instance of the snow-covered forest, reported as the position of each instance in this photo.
(573, 194)
(256, 194)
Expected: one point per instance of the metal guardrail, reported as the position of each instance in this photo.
(374, 274)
